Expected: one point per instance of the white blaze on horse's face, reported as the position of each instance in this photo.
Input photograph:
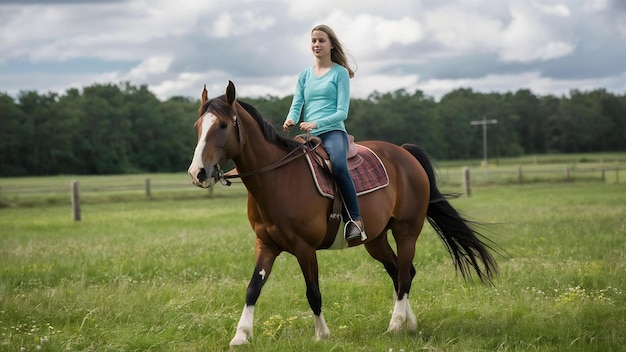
(202, 165)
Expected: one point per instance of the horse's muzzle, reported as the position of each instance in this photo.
(202, 176)
(202, 179)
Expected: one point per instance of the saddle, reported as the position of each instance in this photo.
(354, 159)
(366, 168)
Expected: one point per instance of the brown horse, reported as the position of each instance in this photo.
(287, 212)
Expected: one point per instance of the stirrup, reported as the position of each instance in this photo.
(355, 235)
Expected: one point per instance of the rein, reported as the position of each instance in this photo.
(306, 147)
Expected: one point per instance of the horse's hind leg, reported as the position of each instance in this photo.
(405, 234)
(380, 250)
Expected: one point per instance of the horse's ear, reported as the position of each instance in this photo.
(205, 96)
(230, 93)
(204, 99)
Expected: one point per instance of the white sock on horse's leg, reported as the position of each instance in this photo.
(321, 329)
(399, 316)
(244, 327)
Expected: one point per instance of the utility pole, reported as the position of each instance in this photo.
(484, 123)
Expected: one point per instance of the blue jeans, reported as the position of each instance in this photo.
(336, 145)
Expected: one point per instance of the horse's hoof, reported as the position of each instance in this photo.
(321, 329)
(395, 326)
(411, 322)
(323, 335)
(239, 339)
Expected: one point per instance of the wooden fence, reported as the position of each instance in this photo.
(529, 174)
(94, 189)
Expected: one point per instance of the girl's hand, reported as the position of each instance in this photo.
(308, 126)
(288, 125)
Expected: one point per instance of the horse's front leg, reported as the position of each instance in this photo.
(307, 258)
(264, 261)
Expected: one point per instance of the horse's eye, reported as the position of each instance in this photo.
(223, 125)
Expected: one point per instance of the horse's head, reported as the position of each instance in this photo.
(219, 137)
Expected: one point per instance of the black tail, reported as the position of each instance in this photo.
(463, 242)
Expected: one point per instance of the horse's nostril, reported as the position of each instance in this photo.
(202, 175)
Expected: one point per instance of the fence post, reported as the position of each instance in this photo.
(602, 175)
(466, 181)
(567, 172)
(519, 174)
(75, 201)
(148, 193)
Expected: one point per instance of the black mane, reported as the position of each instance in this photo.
(220, 107)
(269, 132)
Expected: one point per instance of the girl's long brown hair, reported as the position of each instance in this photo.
(337, 54)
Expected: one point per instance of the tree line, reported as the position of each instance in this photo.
(121, 128)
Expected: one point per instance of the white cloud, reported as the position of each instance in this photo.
(596, 5)
(552, 9)
(185, 81)
(307, 9)
(530, 38)
(151, 66)
(553, 50)
(177, 46)
(367, 35)
(461, 29)
(531, 80)
(525, 38)
(223, 26)
(62, 31)
(404, 31)
(363, 86)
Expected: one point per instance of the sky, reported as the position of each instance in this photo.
(550, 47)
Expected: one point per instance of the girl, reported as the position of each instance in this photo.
(323, 96)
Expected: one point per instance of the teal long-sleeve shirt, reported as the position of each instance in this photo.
(325, 99)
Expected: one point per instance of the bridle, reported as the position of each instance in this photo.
(306, 146)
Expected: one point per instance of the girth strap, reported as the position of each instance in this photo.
(334, 217)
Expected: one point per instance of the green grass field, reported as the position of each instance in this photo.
(170, 275)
